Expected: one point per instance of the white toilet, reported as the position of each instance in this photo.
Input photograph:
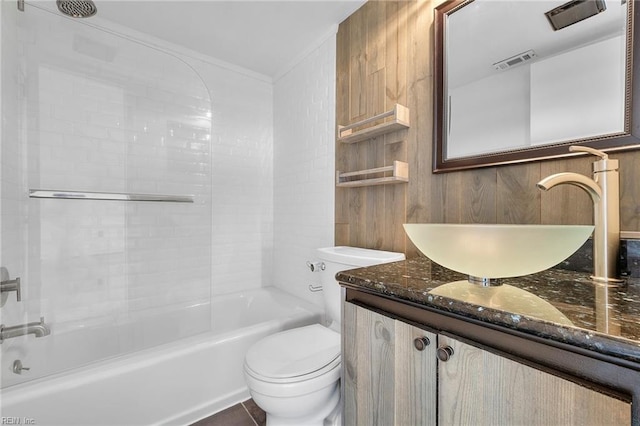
(294, 375)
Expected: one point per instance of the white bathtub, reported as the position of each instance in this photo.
(173, 384)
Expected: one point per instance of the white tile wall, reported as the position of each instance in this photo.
(242, 173)
(304, 128)
(97, 124)
(73, 121)
(12, 243)
(270, 167)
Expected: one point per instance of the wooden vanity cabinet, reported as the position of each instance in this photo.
(386, 380)
(399, 371)
(477, 387)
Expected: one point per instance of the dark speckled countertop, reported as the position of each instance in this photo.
(605, 319)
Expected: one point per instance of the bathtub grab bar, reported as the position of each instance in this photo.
(109, 196)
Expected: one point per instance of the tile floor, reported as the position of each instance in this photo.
(246, 413)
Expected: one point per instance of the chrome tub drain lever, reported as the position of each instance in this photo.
(18, 367)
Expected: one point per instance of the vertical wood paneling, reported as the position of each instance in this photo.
(392, 56)
(376, 46)
(343, 79)
(396, 196)
(400, 17)
(357, 66)
(341, 234)
(478, 191)
(446, 198)
(417, 20)
(629, 190)
(376, 97)
(358, 227)
(394, 146)
(517, 196)
(376, 214)
(566, 204)
(385, 52)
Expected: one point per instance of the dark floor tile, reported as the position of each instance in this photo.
(258, 414)
(232, 416)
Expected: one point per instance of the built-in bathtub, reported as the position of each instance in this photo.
(172, 384)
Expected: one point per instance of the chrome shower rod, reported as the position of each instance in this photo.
(108, 196)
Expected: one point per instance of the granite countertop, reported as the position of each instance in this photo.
(604, 319)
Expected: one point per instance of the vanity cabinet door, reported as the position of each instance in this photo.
(416, 376)
(476, 387)
(389, 378)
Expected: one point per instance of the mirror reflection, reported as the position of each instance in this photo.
(519, 75)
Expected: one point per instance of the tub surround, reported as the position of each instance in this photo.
(572, 293)
(137, 384)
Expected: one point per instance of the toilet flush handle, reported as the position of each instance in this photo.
(315, 288)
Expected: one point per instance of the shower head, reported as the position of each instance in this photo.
(77, 8)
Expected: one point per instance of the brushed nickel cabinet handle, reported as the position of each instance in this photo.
(444, 353)
(421, 343)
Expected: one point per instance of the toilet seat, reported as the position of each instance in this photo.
(294, 355)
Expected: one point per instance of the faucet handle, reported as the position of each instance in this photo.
(12, 285)
(604, 164)
(597, 152)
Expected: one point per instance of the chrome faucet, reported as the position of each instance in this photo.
(604, 190)
(39, 329)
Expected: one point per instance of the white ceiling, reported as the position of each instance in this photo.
(263, 36)
(489, 31)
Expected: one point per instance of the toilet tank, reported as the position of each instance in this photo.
(341, 258)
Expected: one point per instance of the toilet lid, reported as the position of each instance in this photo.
(295, 352)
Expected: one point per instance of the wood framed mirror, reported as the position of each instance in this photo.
(518, 81)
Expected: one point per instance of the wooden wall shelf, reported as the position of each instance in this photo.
(399, 170)
(400, 114)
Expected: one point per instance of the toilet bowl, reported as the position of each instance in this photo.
(294, 375)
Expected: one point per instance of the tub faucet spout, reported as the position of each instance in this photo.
(38, 329)
(604, 190)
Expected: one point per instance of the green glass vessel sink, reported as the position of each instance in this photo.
(497, 251)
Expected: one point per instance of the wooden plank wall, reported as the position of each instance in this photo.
(384, 57)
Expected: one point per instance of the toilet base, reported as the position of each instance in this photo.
(331, 412)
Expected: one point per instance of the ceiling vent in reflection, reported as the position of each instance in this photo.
(574, 11)
(515, 60)
(77, 8)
